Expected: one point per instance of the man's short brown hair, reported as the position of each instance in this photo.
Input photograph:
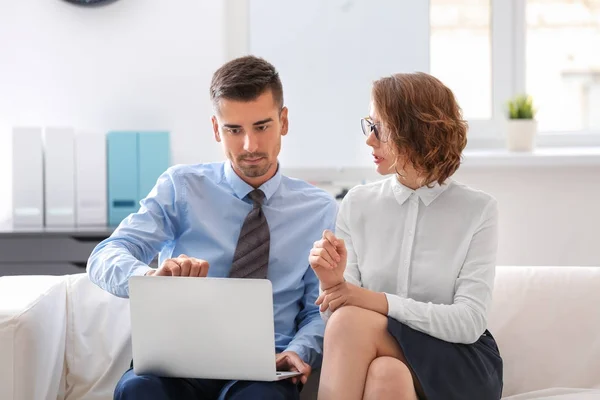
(245, 79)
(424, 123)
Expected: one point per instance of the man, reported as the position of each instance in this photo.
(240, 218)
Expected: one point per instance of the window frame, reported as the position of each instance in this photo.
(508, 63)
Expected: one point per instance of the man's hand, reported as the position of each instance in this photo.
(290, 361)
(182, 266)
(328, 259)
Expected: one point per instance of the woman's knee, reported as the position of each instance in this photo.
(351, 320)
(343, 317)
(387, 373)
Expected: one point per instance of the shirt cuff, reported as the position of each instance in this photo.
(325, 315)
(396, 307)
(141, 270)
(301, 351)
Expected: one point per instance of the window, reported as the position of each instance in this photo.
(563, 63)
(489, 50)
(460, 46)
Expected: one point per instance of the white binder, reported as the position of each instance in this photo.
(28, 178)
(59, 176)
(90, 174)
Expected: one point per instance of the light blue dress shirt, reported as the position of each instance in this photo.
(198, 210)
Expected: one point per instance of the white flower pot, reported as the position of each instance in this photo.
(520, 134)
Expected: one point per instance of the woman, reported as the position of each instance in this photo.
(407, 279)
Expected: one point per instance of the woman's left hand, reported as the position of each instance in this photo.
(344, 294)
(347, 294)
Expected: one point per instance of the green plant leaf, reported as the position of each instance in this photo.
(521, 107)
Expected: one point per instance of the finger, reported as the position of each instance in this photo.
(296, 362)
(341, 247)
(302, 367)
(305, 375)
(304, 379)
(186, 265)
(278, 359)
(337, 303)
(283, 363)
(168, 268)
(332, 251)
(327, 301)
(195, 269)
(183, 256)
(204, 266)
(316, 261)
(329, 236)
(326, 255)
(320, 298)
(174, 267)
(324, 304)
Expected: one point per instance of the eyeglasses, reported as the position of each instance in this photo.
(369, 126)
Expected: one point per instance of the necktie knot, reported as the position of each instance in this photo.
(257, 196)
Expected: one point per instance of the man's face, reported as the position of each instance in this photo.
(251, 132)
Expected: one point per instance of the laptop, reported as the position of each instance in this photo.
(211, 328)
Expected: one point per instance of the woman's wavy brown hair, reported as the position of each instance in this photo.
(424, 123)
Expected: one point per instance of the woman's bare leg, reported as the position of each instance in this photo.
(354, 339)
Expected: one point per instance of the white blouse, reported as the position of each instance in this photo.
(432, 251)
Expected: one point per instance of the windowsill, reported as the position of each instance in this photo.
(542, 157)
(539, 157)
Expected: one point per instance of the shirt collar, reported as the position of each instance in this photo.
(425, 193)
(241, 188)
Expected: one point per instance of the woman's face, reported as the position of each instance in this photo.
(383, 155)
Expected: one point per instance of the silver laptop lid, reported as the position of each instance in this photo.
(202, 327)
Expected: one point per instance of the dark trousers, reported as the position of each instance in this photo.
(147, 387)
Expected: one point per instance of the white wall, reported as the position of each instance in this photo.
(548, 215)
(134, 64)
(147, 64)
(328, 53)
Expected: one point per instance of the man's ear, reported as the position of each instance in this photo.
(284, 121)
(215, 125)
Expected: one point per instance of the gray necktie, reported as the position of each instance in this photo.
(251, 257)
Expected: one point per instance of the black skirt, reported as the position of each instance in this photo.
(451, 371)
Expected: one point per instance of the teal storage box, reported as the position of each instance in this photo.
(122, 175)
(135, 161)
(153, 159)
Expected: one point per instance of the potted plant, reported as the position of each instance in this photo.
(522, 126)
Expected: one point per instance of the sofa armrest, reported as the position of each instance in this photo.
(32, 337)
(98, 342)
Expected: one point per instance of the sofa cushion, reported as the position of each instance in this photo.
(32, 337)
(98, 340)
(546, 322)
(558, 394)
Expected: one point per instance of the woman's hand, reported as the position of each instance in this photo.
(328, 259)
(343, 294)
(347, 294)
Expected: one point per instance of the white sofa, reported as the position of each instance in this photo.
(64, 338)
